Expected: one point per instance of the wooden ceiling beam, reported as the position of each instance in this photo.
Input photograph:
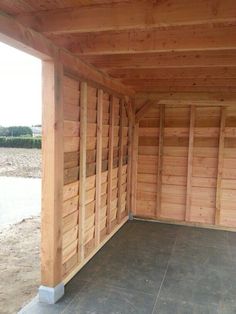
(187, 98)
(17, 35)
(185, 85)
(174, 73)
(217, 82)
(182, 89)
(164, 60)
(183, 38)
(130, 15)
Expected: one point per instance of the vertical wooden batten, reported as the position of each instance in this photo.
(190, 164)
(52, 177)
(220, 165)
(160, 160)
(134, 167)
(82, 171)
(120, 166)
(129, 171)
(98, 165)
(110, 162)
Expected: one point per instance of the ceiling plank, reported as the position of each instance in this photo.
(174, 73)
(164, 60)
(180, 38)
(131, 15)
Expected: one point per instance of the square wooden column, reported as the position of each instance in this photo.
(52, 180)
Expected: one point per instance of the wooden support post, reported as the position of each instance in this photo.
(52, 177)
(190, 164)
(121, 149)
(98, 165)
(160, 159)
(110, 162)
(82, 171)
(220, 166)
(134, 168)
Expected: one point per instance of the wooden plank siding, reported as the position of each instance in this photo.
(197, 165)
(95, 171)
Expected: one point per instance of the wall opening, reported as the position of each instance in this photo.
(20, 176)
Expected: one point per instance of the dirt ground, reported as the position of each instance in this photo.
(19, 243)
(20, 162)
(19, 264)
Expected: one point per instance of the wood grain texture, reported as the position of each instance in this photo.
(160, 160)
(145, 15)
(82, 191)
(198, 165)
(220, 166)
(110, 163)
(98, 166)
(190, 164)
(52, 174)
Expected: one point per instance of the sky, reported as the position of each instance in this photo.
(20, 88)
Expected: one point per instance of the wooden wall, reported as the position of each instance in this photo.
(95, 202)
(186, 165)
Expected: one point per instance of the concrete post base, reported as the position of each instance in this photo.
(51, 295)
(131, 217)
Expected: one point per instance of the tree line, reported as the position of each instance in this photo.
(16, 131)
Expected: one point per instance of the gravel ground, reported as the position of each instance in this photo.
(20, 162)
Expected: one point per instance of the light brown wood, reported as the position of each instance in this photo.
(117, 16)
(179, 38)
(173, 73)
(134, 167)
(98, 165)
(160, 160)
(141, 112)
(52, 176)
(82, 175)
(166, 59)
(190, 164)
(120, 165)
(189, 98)
(75, 270)
(220, 166)
(110, 163)
(24, 6)
(130, 114)
(163, 60)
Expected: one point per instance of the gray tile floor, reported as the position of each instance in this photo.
(154, 268)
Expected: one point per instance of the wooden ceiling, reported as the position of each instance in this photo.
(150, 46)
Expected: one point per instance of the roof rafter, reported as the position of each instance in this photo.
(164, 60)
(179, 38)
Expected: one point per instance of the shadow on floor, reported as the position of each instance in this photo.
(154, 268)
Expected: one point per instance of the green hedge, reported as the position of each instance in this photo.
(20, 142)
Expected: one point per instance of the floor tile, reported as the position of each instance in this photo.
(202, 237)
(167, 306)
